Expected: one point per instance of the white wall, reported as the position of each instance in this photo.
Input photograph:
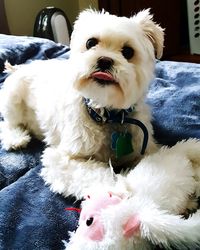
(21, 14)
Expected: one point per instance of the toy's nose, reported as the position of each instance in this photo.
(105, 63)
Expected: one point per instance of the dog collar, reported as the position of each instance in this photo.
(104, 115)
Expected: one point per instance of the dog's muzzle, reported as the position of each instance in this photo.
(103, 74)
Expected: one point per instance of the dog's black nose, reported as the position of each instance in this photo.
(105, 63)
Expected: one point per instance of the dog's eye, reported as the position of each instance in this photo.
(91, 43)
(127, 52)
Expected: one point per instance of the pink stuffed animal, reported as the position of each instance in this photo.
(161, 188)
(138, 224)
(97, 221)
(90, 222)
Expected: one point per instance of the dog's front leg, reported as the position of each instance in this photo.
(70, 176)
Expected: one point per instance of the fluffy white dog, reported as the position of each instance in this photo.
(80, 106)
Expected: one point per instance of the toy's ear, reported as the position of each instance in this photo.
(131, 226)
(152, 30)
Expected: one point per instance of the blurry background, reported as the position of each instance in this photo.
(180, 18)
(21, 14)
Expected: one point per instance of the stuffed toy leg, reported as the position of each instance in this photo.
(163, 186)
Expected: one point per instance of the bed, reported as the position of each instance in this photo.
(31, 216)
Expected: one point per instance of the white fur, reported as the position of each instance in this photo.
(160, 190)
(45, 98)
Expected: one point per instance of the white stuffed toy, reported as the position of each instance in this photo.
(162, 188)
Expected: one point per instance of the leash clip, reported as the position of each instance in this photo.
(122, 120)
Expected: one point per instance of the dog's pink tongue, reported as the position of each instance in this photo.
(103, 76)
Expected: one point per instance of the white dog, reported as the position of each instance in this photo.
(106, 79)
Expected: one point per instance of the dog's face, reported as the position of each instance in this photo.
(114, 57)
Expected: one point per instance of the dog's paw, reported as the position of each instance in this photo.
(55, 171)
(13, 138)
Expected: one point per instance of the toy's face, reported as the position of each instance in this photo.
(104, 225)
(92, 228)
(90, 224)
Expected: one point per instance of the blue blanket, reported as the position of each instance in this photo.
(31, 216)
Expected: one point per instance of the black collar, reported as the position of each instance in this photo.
(103, 115)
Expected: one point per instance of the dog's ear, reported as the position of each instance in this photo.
(83, 21)
(152, 30)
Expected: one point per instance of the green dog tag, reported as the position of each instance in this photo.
(124, 145)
